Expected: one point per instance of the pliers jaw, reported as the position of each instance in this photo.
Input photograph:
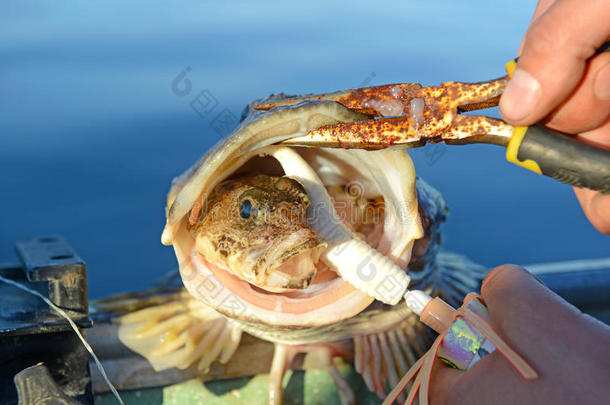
(409, 115)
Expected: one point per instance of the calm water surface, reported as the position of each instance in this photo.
(92, 134)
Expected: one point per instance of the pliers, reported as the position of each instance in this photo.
(410, 115)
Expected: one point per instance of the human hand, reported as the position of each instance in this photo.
(569, 350)
(559, 80)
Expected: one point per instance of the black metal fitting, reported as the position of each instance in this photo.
(31, 332)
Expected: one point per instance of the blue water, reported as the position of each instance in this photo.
(92, 134)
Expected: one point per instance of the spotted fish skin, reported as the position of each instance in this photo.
(252, 225)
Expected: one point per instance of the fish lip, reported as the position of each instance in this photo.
(311, 244)
(267, 265)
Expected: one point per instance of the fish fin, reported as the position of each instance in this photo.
(179, 333)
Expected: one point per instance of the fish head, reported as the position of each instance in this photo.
(256, 227)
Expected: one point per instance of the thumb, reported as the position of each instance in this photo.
(555, 52)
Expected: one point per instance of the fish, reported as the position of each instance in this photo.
(288, 243)
(255, 227)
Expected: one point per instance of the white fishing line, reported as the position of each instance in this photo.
(74, 327)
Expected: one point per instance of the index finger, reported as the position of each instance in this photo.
(541, 8)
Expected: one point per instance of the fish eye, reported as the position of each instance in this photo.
(245, 209)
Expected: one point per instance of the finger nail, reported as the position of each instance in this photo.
(521, 96)
(601, 86)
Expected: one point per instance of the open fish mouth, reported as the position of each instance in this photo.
(373, 195)
(293, 266)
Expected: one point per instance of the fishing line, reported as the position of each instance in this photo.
(74, 327)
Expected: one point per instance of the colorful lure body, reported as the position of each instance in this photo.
(464, 344)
